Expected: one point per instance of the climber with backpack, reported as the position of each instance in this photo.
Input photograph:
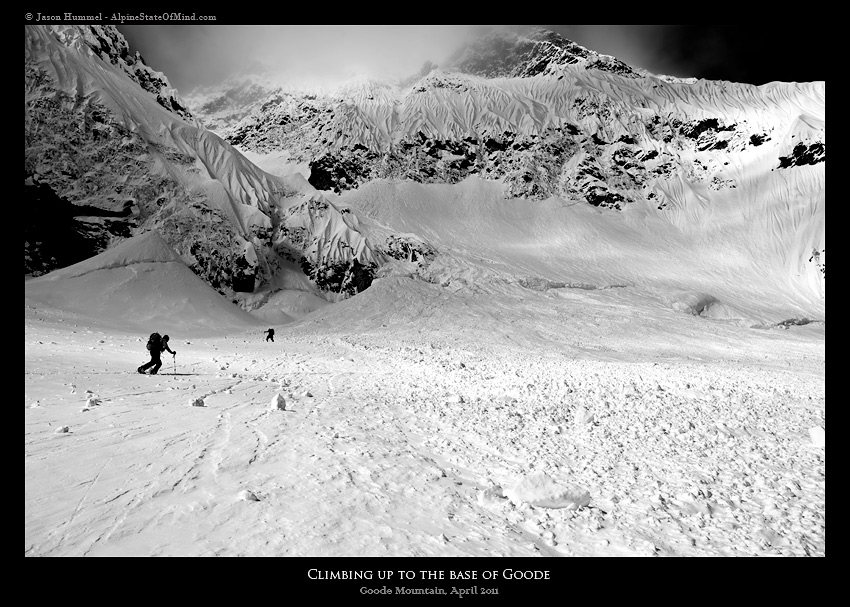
(156, 345)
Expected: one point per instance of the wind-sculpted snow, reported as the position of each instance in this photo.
(690, 151)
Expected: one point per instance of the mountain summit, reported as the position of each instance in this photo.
(528, 51)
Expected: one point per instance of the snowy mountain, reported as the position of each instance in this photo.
(532, 302)
(114, 156)
(723, 176)
(547, 118)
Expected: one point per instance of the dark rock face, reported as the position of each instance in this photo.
(340, 277)
(758, 139)
(74, 233)
(615, 66)
(72, 150)
(804, 154)
(339, 172)
(706, 133)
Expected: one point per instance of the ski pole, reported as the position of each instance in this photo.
(174, 360)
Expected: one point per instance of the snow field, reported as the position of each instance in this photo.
(667, 452)
(404, 443)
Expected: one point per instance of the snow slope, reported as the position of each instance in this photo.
(410, 411)
(451, 409)
(737, 258)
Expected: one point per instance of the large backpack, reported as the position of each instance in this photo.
(154, 343)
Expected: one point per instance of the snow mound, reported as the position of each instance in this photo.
(539, 489)
(139, 283)
(148, 247)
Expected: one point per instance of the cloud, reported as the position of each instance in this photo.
(324, 55)
(192, 56)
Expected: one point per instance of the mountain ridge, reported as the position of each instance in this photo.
(688, 154)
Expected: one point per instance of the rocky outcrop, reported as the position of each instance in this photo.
(804, 154)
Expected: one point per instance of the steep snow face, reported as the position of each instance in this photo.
(726, 267)
(114, 160)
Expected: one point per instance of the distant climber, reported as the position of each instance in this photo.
(270, 335)
(156, 345)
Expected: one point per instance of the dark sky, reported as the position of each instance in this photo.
(193, 55)
(715, 52)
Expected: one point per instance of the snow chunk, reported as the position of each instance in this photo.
(199, 402)
(582, 416)
(818, 436)
(61, 430)
(539, 489)
(490, 496)
(278, 402)
(248, 496)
